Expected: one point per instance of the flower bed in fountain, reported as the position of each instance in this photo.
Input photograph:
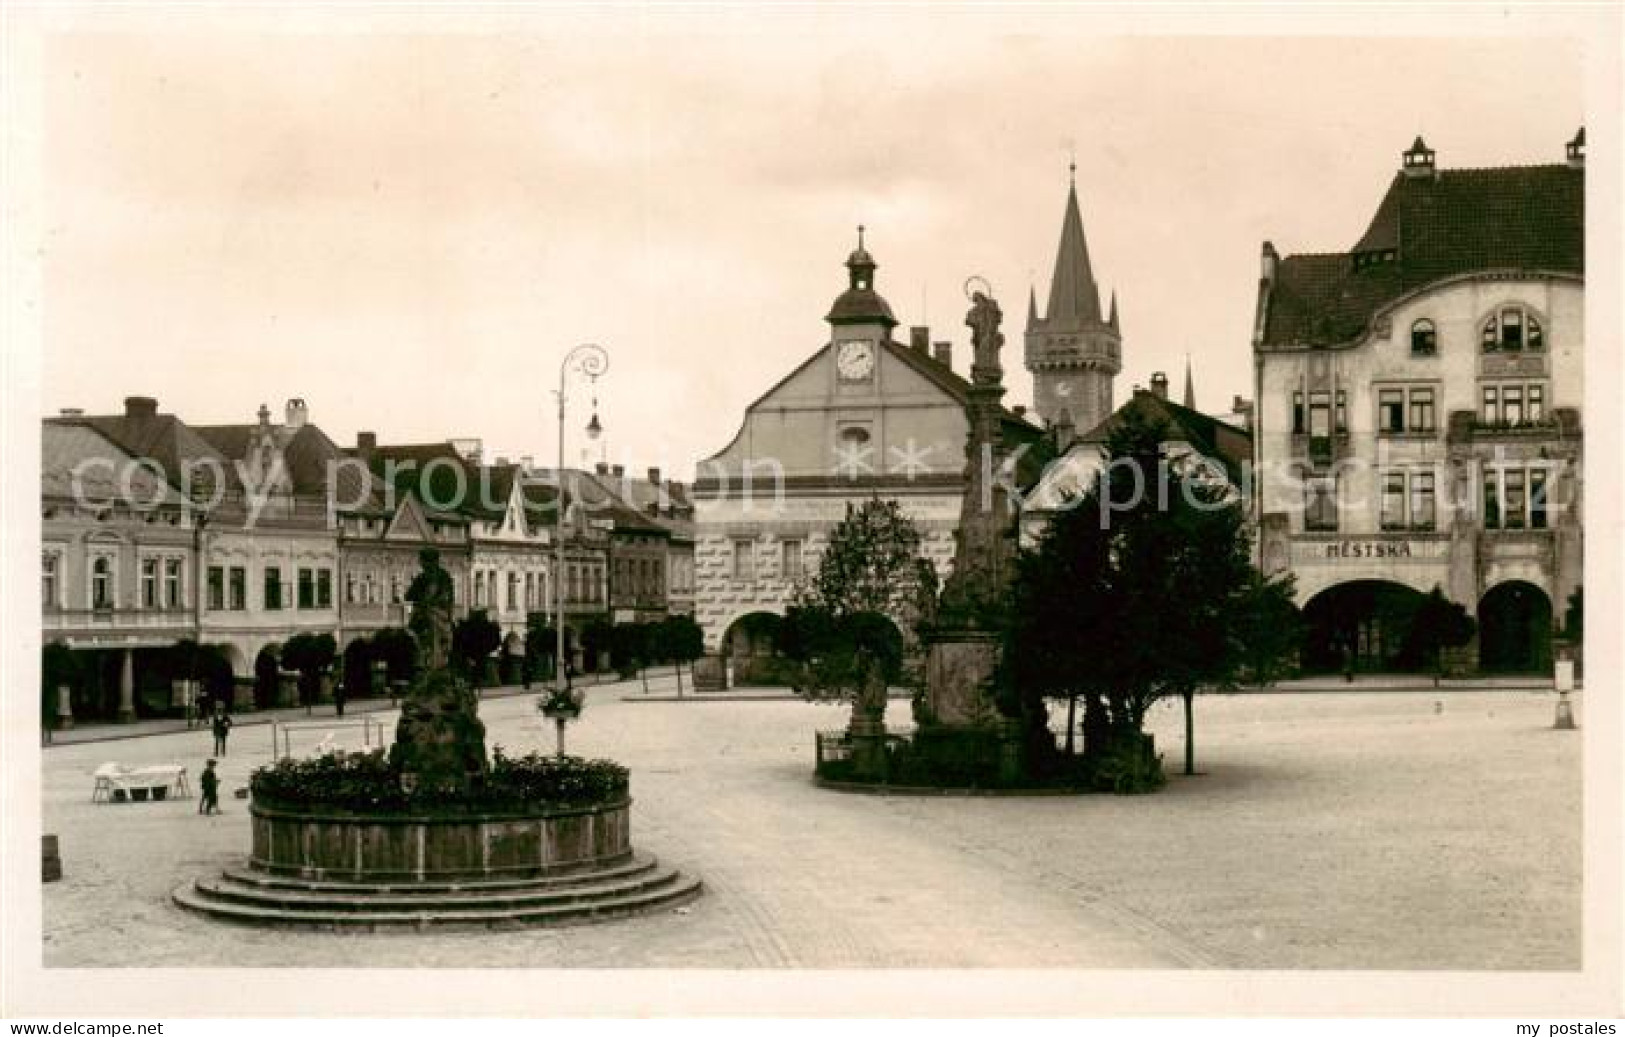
(351, 816)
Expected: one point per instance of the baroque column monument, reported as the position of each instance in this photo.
(959, 716)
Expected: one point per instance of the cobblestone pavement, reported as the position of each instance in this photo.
(1369, 831)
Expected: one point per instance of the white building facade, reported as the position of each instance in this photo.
(1418, 404)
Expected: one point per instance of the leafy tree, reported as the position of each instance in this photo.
(1438, 623)
(596, 640)
(206, 664)
(1269, 626)
(840, 628)
(627, 647)
(473, 640)
(311, 655)
(397, 649)
(358, 658)
(682, 641)
(1149, 594)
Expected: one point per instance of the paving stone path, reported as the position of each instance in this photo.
(1380, 830)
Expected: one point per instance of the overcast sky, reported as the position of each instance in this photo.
(409, 230)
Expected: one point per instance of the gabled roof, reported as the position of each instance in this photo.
(1428, 229)
(1016, 429)
(1207, 435)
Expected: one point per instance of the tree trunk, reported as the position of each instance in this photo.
(679, 669)
(1189, 695)
(1071, 722)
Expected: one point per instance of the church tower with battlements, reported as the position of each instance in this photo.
(1072, 352)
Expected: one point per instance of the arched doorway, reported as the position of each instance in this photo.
(1515, 629)
(267, 678)
(1361, 626)
(751, 645)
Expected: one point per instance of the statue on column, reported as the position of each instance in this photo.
(432, 597)
(986, 339)
(440, 740)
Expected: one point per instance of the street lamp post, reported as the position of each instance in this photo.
(592, 361)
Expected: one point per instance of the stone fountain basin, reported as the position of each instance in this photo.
(331, 844)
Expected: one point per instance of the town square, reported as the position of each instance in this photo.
(650, 490)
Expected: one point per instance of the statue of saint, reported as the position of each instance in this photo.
(433, 597)
(986, 339)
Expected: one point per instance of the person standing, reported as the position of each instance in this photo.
(209, 782)
(222, 727)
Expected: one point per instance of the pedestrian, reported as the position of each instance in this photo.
(338, 698)
(209, 782)
(222, 728)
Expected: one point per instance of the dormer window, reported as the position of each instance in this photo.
(1424, 338)
(1513, 329)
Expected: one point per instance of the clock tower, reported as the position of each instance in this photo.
(860, 319)
(1072, 352)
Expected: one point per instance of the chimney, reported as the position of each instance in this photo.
(619, 471)
(602, 468)
(654, 476)
(943, 352)
(140, 409)
(1270, 260)
(72, 412)
(919, 337)
(1577, 150)
(366, 445)
(296, 414)
(502, 462)
(1159, 385)
(1418, 162)
(1019, 411)
(527, 462)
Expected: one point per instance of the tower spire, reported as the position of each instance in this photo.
(1032, 306)
(1073, 298)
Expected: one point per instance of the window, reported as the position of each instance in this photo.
(1393, 500)
(350, 589)
(1342, 419)
(324, 588)
(1421, 410)
(1298, 427)
(273, 587)
(397, 589)
(744, 560)
(1511, 330)
(479, 588)
(217, 588)
(1320, 415)
(1513, 498)
(1492, 500)
(1424, 339)
(575, 582)
(101, 583)
(172, 583)
(149, 583)
(1391, 410)
(1537, 498)
(513, 591)
(1490, 413)
(50, 566)
(792, 567)
(307, 588)
(1320, 505)
(1535, 403)
(239, 588)
(1423, 514)
(1512, 404)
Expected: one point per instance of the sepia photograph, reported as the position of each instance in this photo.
(822, 510)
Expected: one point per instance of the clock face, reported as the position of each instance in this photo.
(1063, 389)
(855, 360)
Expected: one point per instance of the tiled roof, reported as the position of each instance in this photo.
(164, 438)
(1527, 218)
(66, 445)
(1016, 429)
